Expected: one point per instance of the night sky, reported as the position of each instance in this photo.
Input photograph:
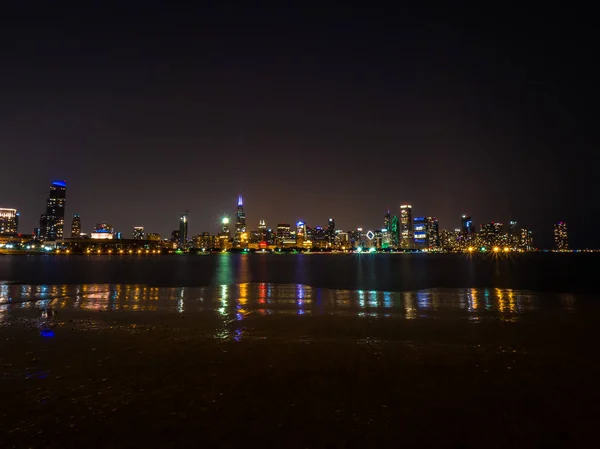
(148, 110)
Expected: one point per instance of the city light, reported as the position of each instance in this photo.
(496, 249)
(506, 249)
(225, 220)
(471, 249)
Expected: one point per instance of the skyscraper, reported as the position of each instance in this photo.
(52, 222)
(9, 221)
(561, 237)
(225, 232)
(183, 230)
(433, 233)
(76, 227)
(387, 220)
(331, 231)
(420, 232)
(406, 226)
(300, 233)
(138, 233)
(466, 226)
(240, 222)
(262, 230)
(283, 232)
(395, 232)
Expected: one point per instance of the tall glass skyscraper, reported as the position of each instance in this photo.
(406, 226)
(53, 221)
(240, 222)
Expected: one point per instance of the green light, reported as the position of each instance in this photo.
(372, 250)
(359, 250)
(483, 249)
(225, 220)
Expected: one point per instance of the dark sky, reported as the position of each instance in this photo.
(149, 109)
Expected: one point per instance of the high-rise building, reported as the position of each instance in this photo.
(138, 233)
(387, 220)
(331, 231)
(225, 232)
(467, 228)
(240, 222)
(9, 221)
(300, 233)
(420, 232)
(395, 232)
(183, 230)
(76, 227)
(153, 236)
(526, 240)
(433, 233)
(262, 230)
(52, 222)
(561, 237)
(283, 232)
(406, 226)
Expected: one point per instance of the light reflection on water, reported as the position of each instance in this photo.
(240, 301)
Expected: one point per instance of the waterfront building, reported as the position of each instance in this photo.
(420, 231)
(9, 221)
(283, 232)
(76, 227)
(395, 233)
(225, 230)
(387, 221)
(331, 231)
(526, 240)
(103, 231)
(138, 233)
(183, 230)
(300, 233)
(561, 237)
(467, 228)
(406, 226)
(262, 230)
(240, 222)
(53, 220)
(153, 237)
(433, 233)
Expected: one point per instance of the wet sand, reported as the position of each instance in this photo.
(263, 365)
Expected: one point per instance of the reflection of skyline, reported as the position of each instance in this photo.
(242, 301)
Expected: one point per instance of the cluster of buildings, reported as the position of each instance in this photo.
(401, 232)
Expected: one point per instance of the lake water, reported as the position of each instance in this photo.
(299, 351)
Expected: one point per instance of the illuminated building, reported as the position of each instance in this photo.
(395, 233)
(492, 234)
(561, 237)
(203, 241)
(138, 233)
(387, 221)
(270, 237)
(9, 221)
(386, 240)
(283, 232)
(300, 233)
(262, 230)
(320, 237)
(183, 230)
(406, 226)
(103, 231)
(52, 222)
(240, 222)
(76, 227)
(450, 240)
(331, 231)
(467, 228)
(153, 236)
(526, 240)
(225, 232)
(433, 233)
(342, 239)
(420, 232)
(175, 236)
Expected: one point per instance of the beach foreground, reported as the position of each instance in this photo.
(266, 365)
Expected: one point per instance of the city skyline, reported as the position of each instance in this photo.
(404, 231)
(452, 115)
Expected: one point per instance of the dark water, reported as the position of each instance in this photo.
(299, 351)
(392, 272)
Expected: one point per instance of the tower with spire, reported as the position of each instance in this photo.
(240, 222)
